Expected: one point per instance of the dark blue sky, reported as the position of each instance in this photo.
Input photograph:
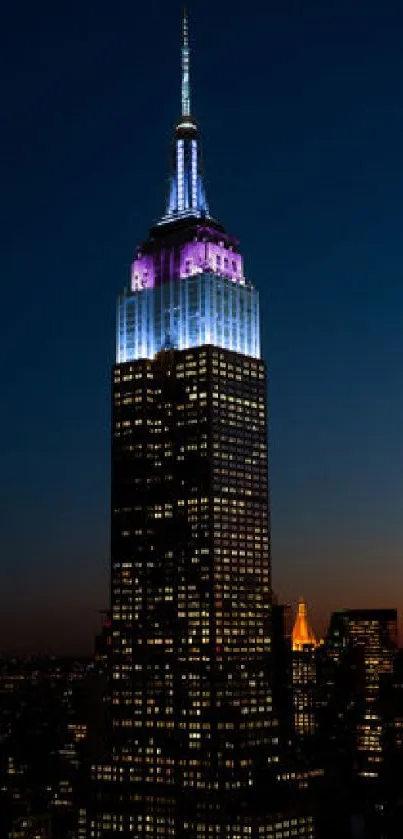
(301, 109)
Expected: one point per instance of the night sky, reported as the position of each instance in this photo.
(301, 111)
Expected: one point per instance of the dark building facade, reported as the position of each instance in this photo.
(190, 573)
(194, 738)
(368, 636)
(357, 718)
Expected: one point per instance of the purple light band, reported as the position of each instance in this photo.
(150, 270)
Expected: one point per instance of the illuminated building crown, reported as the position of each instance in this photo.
(187, 285)
(302, 634)
(186, 190)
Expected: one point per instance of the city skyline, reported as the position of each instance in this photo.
(329, 475)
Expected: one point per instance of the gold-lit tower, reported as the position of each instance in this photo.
(304, 672)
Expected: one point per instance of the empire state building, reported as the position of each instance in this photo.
(192, 725)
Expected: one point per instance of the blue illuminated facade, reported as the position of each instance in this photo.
(184, 313)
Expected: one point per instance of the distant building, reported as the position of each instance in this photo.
(43, 735)
(103, 644)
(370, 634)
(304, 673)
(303, 635)
(31, 827)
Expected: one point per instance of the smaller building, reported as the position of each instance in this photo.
(372, 633)
(304, 673)
(31, 827)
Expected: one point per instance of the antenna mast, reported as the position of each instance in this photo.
(185, 65)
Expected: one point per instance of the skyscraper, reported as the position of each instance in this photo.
(193, 730)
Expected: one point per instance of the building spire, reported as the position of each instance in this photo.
(186, 196)
(302, 635)
(185, 65)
